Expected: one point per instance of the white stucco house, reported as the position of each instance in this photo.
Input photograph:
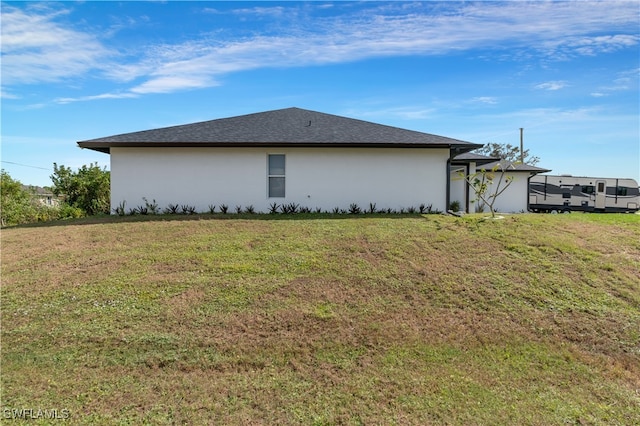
(44, 196)
(515, 198)
(292, 155)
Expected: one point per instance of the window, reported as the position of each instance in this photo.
(600, 186)
(622, 191)
(276, 175)
(566, 195)
(588, 189)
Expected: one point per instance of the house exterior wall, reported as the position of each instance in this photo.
(315, 177)
(458, 188)
(514, 199)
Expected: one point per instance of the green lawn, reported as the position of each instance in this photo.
(533, 319)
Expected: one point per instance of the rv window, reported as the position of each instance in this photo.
(621, 190)
(566, 195)
(588, 189)
(600, 186)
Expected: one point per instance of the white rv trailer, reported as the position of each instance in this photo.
(568, 193)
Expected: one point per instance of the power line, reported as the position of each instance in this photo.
(25, 165)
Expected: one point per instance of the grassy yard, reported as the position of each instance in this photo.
(533, 319)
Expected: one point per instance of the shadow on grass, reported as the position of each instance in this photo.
(110, 219)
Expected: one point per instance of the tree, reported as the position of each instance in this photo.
(87, 189)
(16, 203)
(507, 152)
(482, 183)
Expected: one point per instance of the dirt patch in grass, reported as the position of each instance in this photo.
(182, 304)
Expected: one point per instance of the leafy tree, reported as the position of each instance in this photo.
(507, 152)
(87, 189)
(16, 203)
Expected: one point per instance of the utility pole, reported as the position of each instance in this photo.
(521, 145)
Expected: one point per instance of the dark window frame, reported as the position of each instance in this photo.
(588, 189)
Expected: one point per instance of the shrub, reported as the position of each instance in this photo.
(187, 209)
(141, 210)
(172, 209)
(354, 209)
(273, 208)
(120, 209)
(291, 208)
(151, 207)
(47, 213)
(425, 209)
(224, 208)
(71, 212)
(212, 208)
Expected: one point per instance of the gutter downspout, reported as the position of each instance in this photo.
(448, 171)
(529, 191)
(467, 189)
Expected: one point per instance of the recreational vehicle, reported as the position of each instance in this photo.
(567, 193)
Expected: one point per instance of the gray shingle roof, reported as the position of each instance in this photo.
(508, 166)
(471, 156)
(283, 127)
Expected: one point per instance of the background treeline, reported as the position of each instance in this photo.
(77, 193)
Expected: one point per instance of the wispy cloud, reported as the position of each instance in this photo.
(403, 113)
(7, 95)
(37, 47)
(252, 11)
(96, 97)
(624, 81)
(571, 47)
(490, 100)
(551, 85)
(172, 83)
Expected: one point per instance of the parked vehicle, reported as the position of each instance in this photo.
(566, 193)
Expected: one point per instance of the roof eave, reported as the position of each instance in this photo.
(536, 172)
(106, 146)
(457, 149)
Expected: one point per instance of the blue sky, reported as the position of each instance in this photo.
(567, 72)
